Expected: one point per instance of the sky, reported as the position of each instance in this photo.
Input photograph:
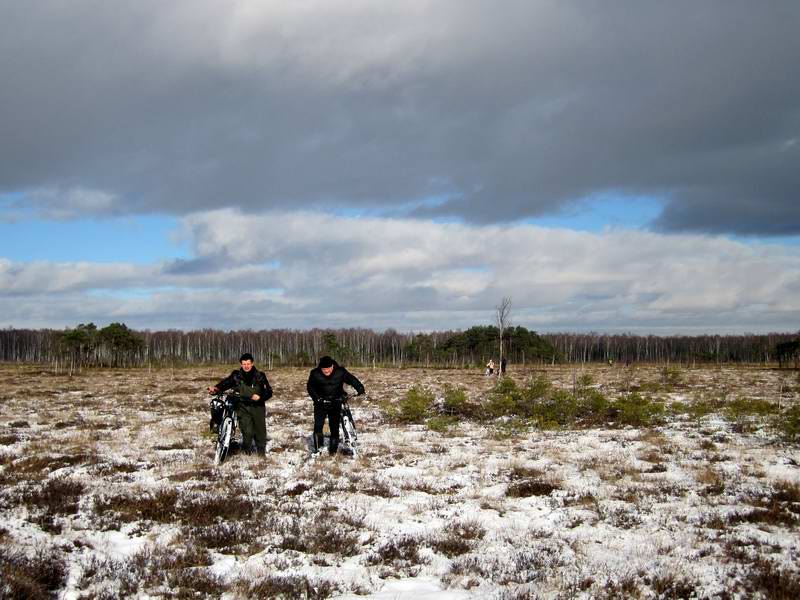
(619, 166)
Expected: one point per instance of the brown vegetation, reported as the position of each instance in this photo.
(707, 455)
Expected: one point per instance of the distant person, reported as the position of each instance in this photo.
(503, 366)
(253, 390)
(490, 367)
(326, 388)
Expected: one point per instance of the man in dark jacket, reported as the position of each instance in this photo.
(326, 388)
(253, 390)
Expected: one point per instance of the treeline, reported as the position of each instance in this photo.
(592, 347)
(117, 345)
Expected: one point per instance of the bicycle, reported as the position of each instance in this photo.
(348, 426)
(226, 403)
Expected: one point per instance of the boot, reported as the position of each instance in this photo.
(319, 442)
(333, 445)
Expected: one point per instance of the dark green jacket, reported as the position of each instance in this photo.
(246, 385)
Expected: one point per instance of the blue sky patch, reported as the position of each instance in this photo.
(604, 211)
(138, 240)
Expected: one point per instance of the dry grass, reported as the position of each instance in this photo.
(128, 452)
(286, 587)
(34, 576)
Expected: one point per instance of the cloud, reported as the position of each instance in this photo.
(45, 278)
(303, 269)
(496, 115)
(64, 205)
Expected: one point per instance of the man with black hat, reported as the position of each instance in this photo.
(326, 388)
(253, 390)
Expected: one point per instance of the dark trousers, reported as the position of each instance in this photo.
(253, 423)
(333, 411)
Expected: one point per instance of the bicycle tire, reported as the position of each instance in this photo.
(224, 441)
(349, 432)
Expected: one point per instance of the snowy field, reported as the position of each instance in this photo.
(108, 491)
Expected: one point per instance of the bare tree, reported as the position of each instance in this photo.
(503, 317)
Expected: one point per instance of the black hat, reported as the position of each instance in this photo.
(325, 362)
(246, 356)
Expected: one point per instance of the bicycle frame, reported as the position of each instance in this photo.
(348, 426)
(227, 427)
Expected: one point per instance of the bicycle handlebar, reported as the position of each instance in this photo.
(343, 398)
(225, 396)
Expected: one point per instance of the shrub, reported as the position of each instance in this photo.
(159, 507)
(592, 407)
(779, 508)
(227, 537)
(508, 399)
(153, 562)
(415, 405)
(511, 428)
(442, 423)
(375, 486)
(518, 593)
(58, 496)
(525, 488)
(294, 537)
(450, 544)
(786, 491)
(742, 408)
(290, 586)
(195, 583)
(41, 464)
(701, 408)
(31, 577)
(454, 540)
(633, 409)
(500, 405)
(402, 551)
(537, 388)
(504, 399)
(456, 402)
(556, 410)
(526, 482)
(529, 398)
(547, 407)
(788, 423)
(671, 376)
(672, 585)
(771, 580)
(208, 509)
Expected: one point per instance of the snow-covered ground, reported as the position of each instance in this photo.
(108, 491)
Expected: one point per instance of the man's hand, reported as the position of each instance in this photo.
(212, 389)
(255, 397)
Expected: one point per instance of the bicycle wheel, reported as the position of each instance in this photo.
(224, 441)
(349, 431)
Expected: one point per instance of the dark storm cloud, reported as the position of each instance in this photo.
(500, 114)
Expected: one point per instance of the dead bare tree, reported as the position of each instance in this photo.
(503, 318)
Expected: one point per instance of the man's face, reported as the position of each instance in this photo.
(247, 365)
(327, 371)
